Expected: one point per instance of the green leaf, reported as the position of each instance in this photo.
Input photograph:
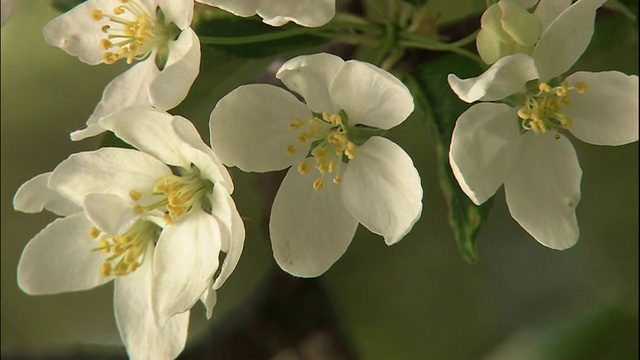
(222, 26)
(440, 108)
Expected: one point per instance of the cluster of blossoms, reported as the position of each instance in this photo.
(159, 219)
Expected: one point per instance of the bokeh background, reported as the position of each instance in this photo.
(415, 300)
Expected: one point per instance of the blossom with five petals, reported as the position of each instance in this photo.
(310, 13)
(154, 220)
(155, 33)
(341, 172)
(514, 137)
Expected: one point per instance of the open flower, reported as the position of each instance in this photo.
(153, 33)
(154, 220)
(310, 13)
(519, 141)
(342, 173)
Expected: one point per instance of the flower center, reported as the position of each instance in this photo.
(542, 110)
(180, 194)
(127, 250)
(132, 33)
(330, 144)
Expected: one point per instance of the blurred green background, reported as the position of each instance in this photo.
(415, 300)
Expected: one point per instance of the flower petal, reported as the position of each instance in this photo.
(149, 131)
(139, 330)
(607, 113)
(250, 128)
(61, 258)
(110, 213)
(177, 12)
(484, 146)
(172, 84)
(523, 27)
(566, 39)
(34, 196)
(507, 76)
(370, 95)
(310, 229)
(544, 188)
(77, 34)
(108, 171)
(184, 262)
(129, 89)
(311, 76)
(242, 8)
(549, 10)
(234, 247)
(188, 133)
(310, 13)
(209, 299)
(382, 190)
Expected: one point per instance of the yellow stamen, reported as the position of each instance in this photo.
(290, 150)
(581, 87)
(94, 232)
(317, 184)
(304, 167)
(96, 15)
(135, 195)
(105, 269)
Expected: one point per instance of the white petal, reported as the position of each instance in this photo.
(77, 34)
(522, 26)
(110, 213)
(310, 229)
(129, 89)
(188, 133)
(250, 128)
(234, 248)
(34, 196)
(484, 146)
(507, 76)
(237, 7)
(311, 76)
(549, 10)
(544, 188)
(108, 171)
(140, 331)
(528, 3)
(61, 258)
(382, 190)
(172, 84)
(607, 113)
(209, 300)
(370, 95)
(566, 39)
(177, 12)
(184, 262)
(311, 13)
(149, 131)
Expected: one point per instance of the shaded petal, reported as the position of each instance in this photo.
(172, 84)
(7, 10)
(139, 330)
(382, 190)
(507, 76)
(233, 249)
(549, 10)
(77, 34)
(188, 133)
(110, 213)
(370, 95)
(242, 8)
(607, 113)
(108, 171)
(484, 146)
(177, 12)
(61, 258)
(311, 76)
(184, 262)
(544, 188)
(310, 229)
(149, 131)
(311, 13)
(209, 300)
(35, 195)
(566, 39)
(129, 89)
(250, 128)
(522, 26)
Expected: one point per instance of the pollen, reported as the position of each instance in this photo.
(94, 232)
(317, 184)
(135, 195)
(304, 167)
(290, 150)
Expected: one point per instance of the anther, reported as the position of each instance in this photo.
(304, 167)
(105, 269)
(138, 209)
(581, 87)
(96, 15)
(135, 195)
(317, 184)
(290, 150)
(94, 232)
